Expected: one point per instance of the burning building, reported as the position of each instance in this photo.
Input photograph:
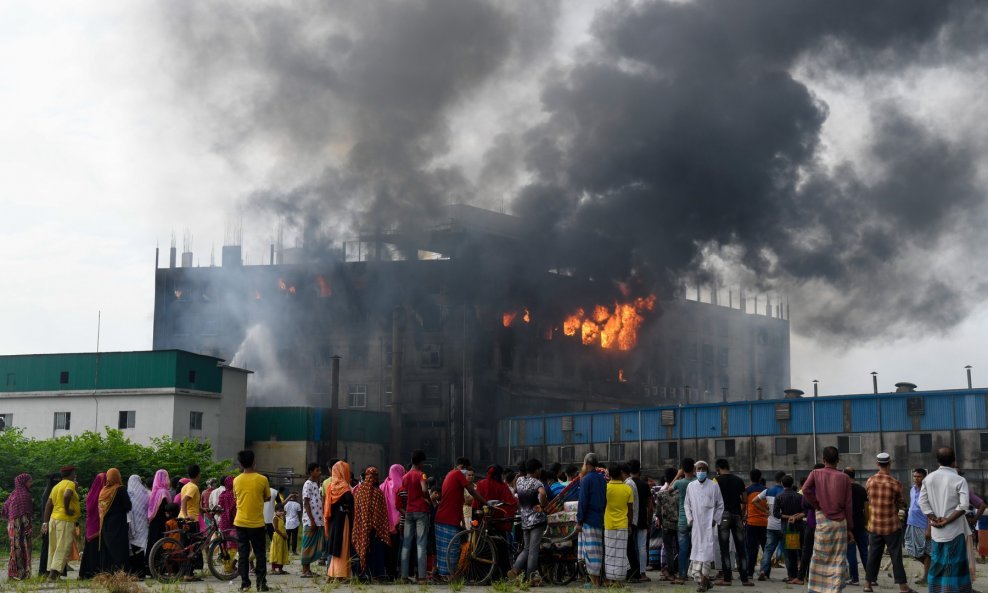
(448, 329)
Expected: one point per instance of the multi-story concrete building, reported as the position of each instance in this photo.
(167, 393)
(784, 434)
(479, 328)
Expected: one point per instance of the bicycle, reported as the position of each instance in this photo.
(171, 560)
(475, 550)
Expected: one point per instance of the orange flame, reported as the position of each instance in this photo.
(612, 329)
(527, 318)
(281, 284)
(178, 293)
(621, 378)
(325, 290)
(508, 318)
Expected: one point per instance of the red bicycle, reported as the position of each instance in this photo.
(171, 559)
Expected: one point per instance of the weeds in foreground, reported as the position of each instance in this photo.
(457, 584)
(117, 582)
(504, 586)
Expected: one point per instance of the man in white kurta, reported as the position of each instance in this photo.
(704, 508)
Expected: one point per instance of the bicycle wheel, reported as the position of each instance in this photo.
(222, 558)
(471, 559)
(168, 561)
(564, 572)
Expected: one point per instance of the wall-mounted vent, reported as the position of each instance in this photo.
(782, 412)
(567, 423)
(915, 406)
(668, 417)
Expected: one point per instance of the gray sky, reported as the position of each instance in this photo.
(125, 122)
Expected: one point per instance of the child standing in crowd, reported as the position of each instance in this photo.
(279, 541)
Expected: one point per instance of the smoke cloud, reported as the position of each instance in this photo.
(682, 139)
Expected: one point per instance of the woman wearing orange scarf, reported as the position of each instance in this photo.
(338, 514)
(114, 504)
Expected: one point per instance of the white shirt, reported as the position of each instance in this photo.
(214, 497)
(292, 510)
(269, 507)
(311, 492)
(634, 492)
(945, 491)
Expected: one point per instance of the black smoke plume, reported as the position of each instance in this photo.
(682, 141)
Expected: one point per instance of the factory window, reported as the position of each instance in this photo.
(567, 454)
(388, 394)
(6, 421)
(63, 420)
(722, 356)
(356, 396)
(209, 327)
(195, 420)
(431, 356)
(984, 441)
(919, 443)
(850, 444)
(192, 377)
(432, 394)
(669, 450)
(388, 353)
(518, 455)
(127, 419)
(615, 452)
(708, 355)
(724, 448)
(63, 377)
(11, 380)
(785, 446)
(358, 354)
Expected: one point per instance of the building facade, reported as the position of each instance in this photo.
(785, 434)
(146, 395)
(476, 338)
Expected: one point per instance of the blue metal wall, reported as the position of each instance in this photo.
(961, 409)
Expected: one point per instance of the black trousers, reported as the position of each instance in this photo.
(731, 527)
(876, 547)
(754, 537)
(670, 543)
(809, 533)
(635, 571)
(293, 540)
(249, 538)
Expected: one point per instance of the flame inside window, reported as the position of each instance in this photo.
(615, 328)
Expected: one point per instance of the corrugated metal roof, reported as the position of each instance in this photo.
(652, 429)
(581, 428)
(738, 422)
(603, 428)
(969, 412)
(894, 415)
(554, 430)
(763, 419)
(864, 415)
(534, 434)
(708, 422)
(829, 416)
(147, 369)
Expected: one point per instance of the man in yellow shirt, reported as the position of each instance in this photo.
(189, 501)
(61, 514)
(618, 515)
(251, 490)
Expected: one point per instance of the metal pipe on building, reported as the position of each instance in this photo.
(397, 338)
(816, 392)
(874, 381)
(970, 385)
(335, 408)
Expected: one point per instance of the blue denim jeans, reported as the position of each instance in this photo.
(860, 545)
(685, 541)
(773, 541)
(416, 525)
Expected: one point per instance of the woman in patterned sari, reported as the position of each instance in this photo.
(19, 511)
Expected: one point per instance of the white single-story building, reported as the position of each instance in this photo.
(146, 394)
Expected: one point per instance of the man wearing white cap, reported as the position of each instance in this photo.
(885, 499)
(704, 507)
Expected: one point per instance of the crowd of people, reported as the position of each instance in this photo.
(691, 524)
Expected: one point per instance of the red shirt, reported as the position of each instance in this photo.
(412, 484)
(829, 490)
(450, 511)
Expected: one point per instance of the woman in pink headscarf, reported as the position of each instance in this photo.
(18, 509)
(156, 507)
(90, 565)
(390, 488)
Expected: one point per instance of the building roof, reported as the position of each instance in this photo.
(102, 371)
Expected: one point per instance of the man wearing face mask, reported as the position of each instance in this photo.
(449, 514)
(704, 507)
